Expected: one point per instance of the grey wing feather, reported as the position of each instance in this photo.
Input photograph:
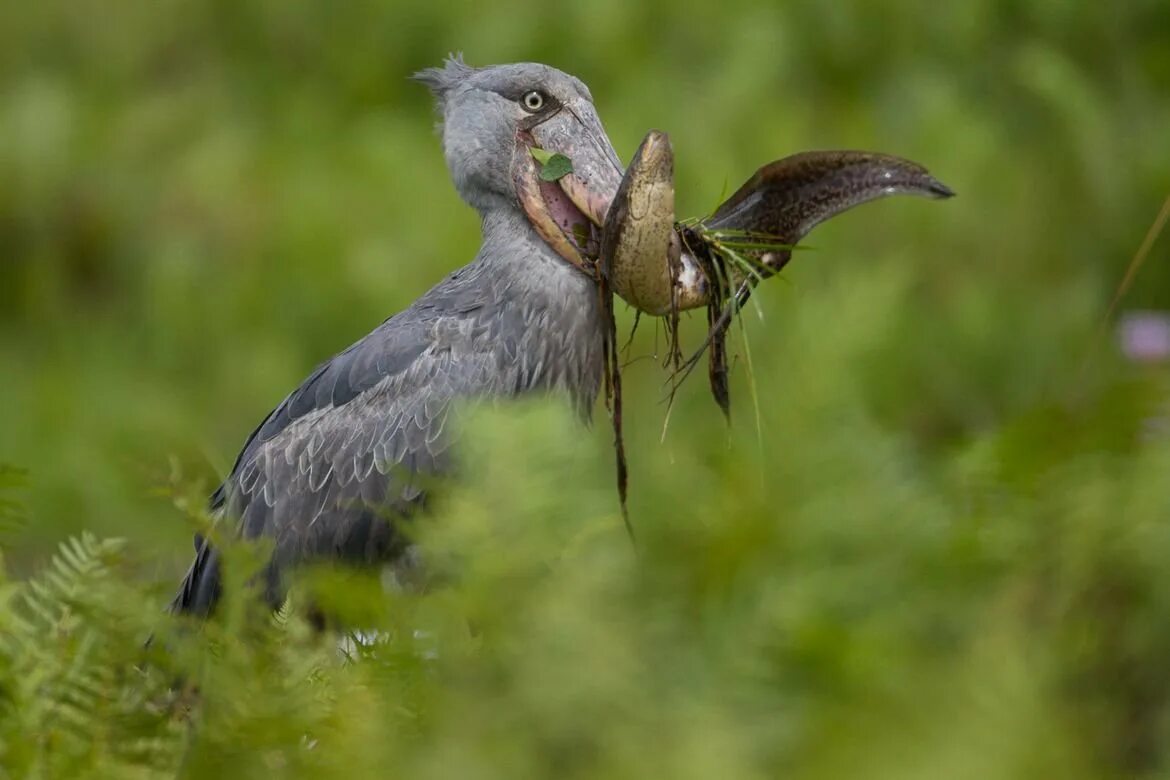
(341, 456)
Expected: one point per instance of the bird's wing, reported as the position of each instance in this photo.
(345, 453)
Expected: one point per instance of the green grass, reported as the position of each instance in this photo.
(937, 550)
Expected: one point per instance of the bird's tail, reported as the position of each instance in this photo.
(201, 587)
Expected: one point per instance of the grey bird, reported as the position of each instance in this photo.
(332, 470)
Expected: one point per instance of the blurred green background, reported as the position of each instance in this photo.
(200, 201)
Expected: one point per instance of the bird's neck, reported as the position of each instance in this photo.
(555, 304)
(521, 257)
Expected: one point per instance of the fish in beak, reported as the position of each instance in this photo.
(568, 213)
(647, 256)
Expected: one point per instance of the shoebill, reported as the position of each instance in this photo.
(345, 450)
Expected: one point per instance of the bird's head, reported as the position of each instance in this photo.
(494, 116)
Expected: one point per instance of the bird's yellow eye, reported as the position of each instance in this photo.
(532, 101)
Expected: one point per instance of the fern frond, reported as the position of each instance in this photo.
(64, 638)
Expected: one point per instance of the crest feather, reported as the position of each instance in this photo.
(443, 79)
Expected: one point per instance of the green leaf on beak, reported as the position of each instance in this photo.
(553, 166)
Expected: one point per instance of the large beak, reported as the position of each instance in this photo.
(568, 213)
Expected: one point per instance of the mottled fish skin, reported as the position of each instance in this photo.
(787, 198)
(636, 237)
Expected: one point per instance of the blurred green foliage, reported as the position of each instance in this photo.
(938, 550)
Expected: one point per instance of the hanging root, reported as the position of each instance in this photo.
(613, 399)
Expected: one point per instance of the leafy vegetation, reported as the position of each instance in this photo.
(850, 614)
(938, 549)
